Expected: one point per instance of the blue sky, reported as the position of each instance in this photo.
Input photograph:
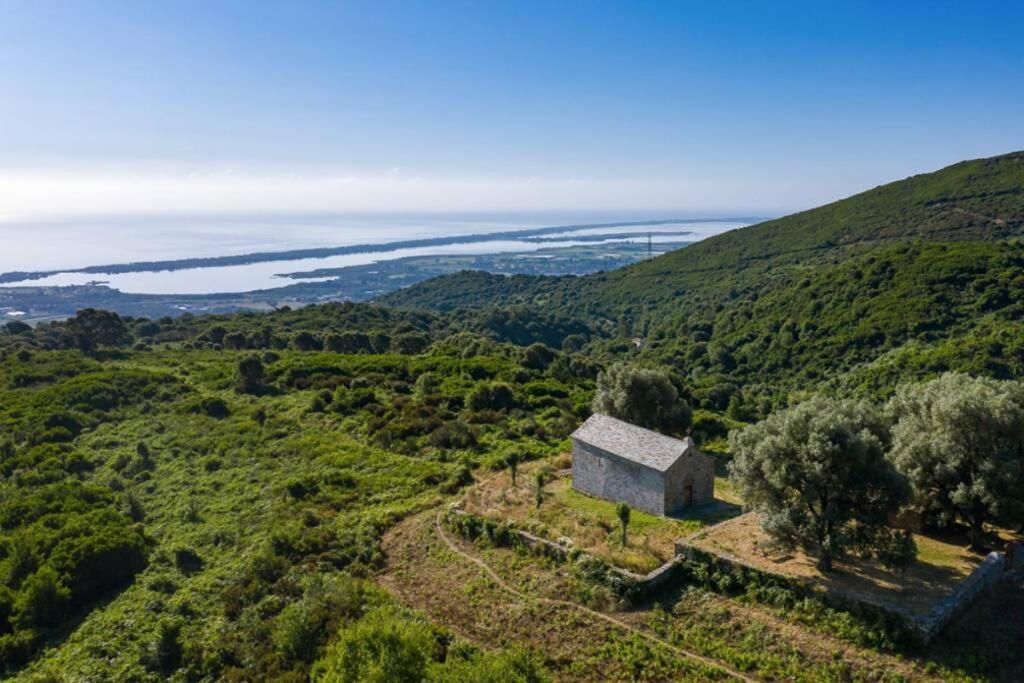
(710, 106)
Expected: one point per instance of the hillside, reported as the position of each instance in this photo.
(224, 497)
(974, 200)
(227, 497)
(924, 272)
(166, 507)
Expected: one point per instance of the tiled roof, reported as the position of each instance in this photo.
(630, 442)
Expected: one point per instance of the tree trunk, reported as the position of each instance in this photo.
(825, 562)
(623, 534)
(976, 534)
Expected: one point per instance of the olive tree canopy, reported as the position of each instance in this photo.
(642, 396)
(818, 475)
(960, 442)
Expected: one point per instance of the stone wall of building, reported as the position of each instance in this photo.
(693, 467)
(602, 474)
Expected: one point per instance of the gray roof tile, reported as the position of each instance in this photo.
(630, 442)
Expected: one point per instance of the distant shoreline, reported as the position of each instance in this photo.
(325, 252)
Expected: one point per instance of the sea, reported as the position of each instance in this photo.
(68, 244)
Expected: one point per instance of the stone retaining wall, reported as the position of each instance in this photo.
(994, 568)
(924, 627)
(639, 584)
(984, 576)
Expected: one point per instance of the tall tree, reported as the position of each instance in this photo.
(643, 396)
(818, 475)
(960, 442)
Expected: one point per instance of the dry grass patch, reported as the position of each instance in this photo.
(590, 523)
(941, 564)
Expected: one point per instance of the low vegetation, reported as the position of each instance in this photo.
(219, 498)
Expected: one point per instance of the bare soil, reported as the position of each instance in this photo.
(941, 564)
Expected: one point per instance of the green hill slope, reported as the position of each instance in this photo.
(923, 274)
(974, 200)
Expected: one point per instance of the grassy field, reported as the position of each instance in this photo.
(590, 523)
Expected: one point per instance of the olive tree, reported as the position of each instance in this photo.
(960, 442)
(643, 396)
(818, 475)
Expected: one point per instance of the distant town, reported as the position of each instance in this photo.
(34, 304)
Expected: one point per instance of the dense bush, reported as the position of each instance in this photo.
(42, 600)
(389, 645)
(491, 396)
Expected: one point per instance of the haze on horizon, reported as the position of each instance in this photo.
(116, 108)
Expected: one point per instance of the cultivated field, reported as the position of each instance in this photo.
(498, 597)
(590, 523)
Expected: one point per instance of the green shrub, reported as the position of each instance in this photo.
(491, 396)
(187, 560)
(43, 600)
(163, 654)
(212, 406)
(296, 632)
(509, 666)
(385, 646)
(17, 648)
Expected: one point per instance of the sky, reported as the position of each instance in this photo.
(700, 107)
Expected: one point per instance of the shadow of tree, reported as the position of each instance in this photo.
(55, 637)
(709, 513)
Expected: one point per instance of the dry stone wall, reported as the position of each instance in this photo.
(639, 584)
(993, 569)
(985, 575)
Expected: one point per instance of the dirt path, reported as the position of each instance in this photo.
(686, 654)
(496, 598)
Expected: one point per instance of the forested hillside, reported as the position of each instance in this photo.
(922, 275)
(974, 200)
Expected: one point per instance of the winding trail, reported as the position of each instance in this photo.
(686, 654)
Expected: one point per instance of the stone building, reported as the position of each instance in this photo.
(621, 462)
